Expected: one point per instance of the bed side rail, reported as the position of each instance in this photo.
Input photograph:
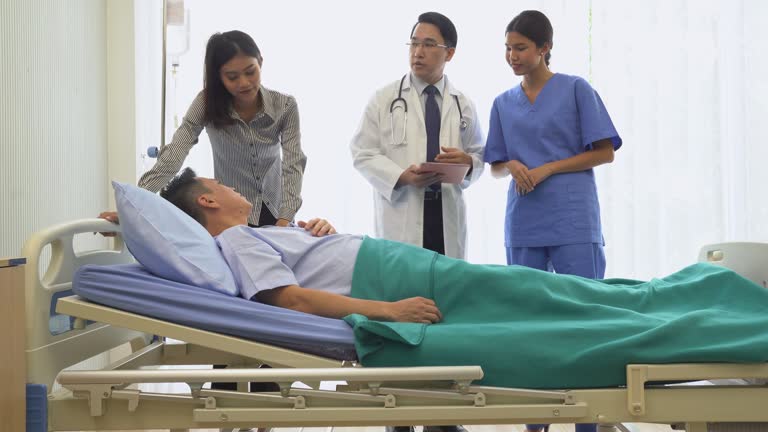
(747, 259)
(48, 353)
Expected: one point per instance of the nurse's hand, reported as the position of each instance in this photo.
(414, 309)
(318, 227)
(112, 217)
(454, 155)
(522, 176)
(412, 176)
(539, 174)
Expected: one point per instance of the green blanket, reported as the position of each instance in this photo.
(534, 329)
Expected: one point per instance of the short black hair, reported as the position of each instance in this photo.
(446, 27)
(183, 190)
(535, 26)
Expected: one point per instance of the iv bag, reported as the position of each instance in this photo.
(177, 29)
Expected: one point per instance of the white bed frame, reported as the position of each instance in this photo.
(107, 399)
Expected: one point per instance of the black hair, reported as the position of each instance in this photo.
(446, 27)
(535, 26)
(183, 190)
(221, 48)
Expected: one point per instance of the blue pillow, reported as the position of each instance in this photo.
(169, 243)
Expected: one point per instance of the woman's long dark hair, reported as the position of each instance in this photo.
(221, 48)
(535, 26)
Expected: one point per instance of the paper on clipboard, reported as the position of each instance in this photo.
(452, 173)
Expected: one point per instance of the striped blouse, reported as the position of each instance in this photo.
(246, 156)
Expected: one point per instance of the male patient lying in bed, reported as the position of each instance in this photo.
(586, 331)
(295, 268)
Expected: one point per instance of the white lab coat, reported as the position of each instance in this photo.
(399, 213)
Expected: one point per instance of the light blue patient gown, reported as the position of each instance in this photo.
(562, 214)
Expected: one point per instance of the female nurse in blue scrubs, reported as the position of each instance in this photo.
(548, 133)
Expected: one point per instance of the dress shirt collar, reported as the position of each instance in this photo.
(420, 84)
(268, 108)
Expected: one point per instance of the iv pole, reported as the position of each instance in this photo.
(162, 100)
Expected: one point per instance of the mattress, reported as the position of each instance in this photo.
(132, 288)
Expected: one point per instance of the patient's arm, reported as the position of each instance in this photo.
(316, 302)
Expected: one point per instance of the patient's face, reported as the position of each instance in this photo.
(228, 198)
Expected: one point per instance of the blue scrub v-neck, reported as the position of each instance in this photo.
(523, 98)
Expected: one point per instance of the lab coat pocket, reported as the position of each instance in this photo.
(394, 136)
(396, 151)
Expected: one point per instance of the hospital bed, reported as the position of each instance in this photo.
(108, 398)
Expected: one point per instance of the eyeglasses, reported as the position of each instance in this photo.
(427, 44)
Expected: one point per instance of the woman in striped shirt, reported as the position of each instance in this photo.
(254, 133)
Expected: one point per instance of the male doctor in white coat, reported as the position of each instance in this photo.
(421, 117)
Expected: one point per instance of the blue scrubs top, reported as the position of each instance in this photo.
(566, 119)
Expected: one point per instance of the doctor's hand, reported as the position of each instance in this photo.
(413, 176)
(414, 309)
(524, 182)
(318, 227)
(454, 155)
(112, 217)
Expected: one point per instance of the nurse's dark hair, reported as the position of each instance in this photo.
(535, 26)
(446, 27)
(221, 48)
(183, 190)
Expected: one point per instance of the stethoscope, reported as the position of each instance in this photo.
(400, 103)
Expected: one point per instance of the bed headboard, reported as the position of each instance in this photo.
(747, 259)
(48, 351)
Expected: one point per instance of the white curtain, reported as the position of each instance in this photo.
(685, 84)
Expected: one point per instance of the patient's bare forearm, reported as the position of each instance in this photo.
(331, 305)
(323, 303)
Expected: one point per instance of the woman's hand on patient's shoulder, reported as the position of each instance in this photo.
(415, 309)
(112, 217)
(318, 227)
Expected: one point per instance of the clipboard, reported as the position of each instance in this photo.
(452, 173)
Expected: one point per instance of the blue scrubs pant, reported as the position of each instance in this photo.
(583, 259)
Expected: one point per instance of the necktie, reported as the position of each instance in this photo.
(432, 123)
(432, 235)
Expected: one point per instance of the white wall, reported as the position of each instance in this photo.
(122, 160)
(53, 115)
(148, 35)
